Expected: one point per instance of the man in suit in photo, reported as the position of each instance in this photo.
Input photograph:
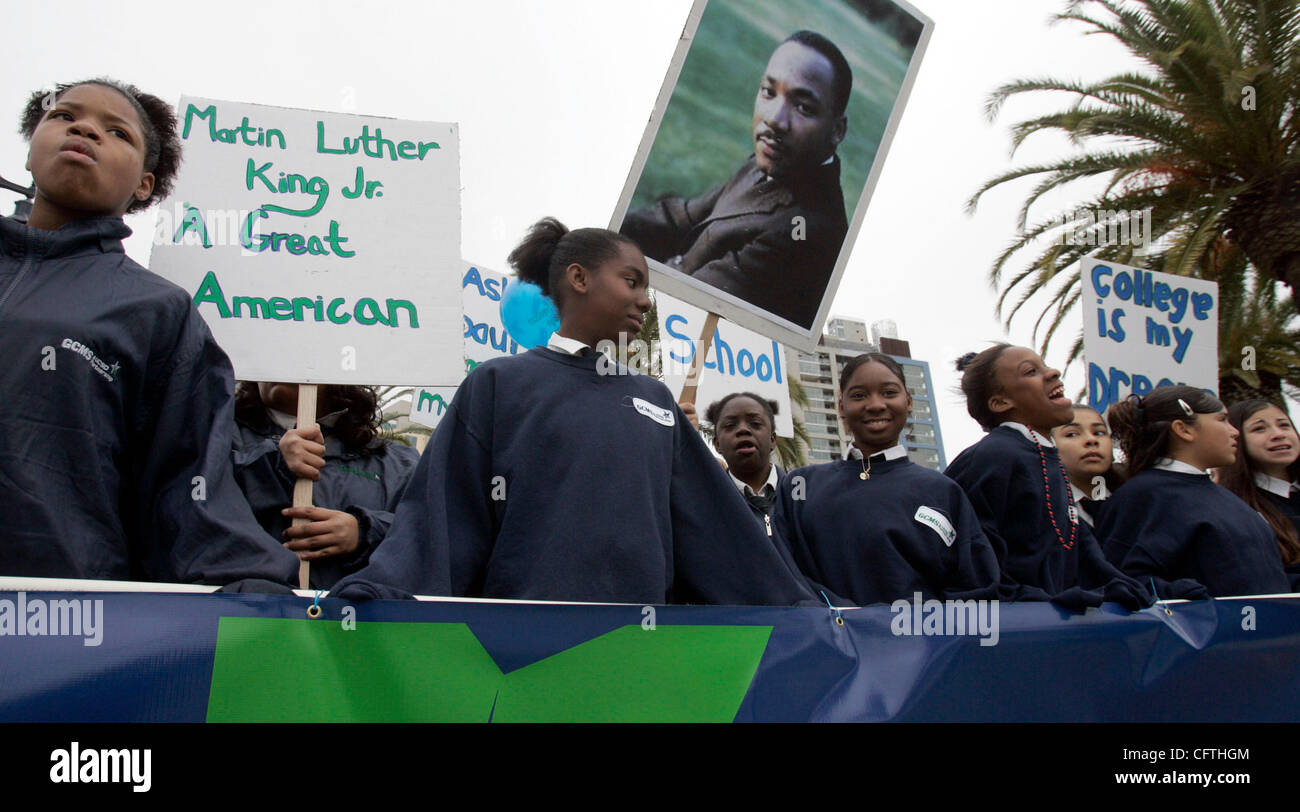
(771, 234)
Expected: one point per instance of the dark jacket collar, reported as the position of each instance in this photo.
(92, 235)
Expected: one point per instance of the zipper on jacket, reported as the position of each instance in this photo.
(768, 521)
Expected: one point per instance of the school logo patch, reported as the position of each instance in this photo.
(663, 417)
(105, 369)
(937, 522)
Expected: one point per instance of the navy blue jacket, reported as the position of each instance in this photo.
(549, 480)
(1170, 525)
(366, 485)
(1290, 508)
(885, 538)
(1002, 476)
(116, 421)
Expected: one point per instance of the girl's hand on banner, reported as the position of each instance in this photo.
(331, 532)
(304, 451)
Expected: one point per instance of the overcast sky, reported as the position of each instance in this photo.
(552, 98)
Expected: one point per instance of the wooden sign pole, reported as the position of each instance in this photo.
(692, 384)
(302, 488)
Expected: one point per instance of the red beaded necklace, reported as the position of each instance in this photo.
(1047, 491)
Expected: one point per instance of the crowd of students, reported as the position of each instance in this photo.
(126, 450)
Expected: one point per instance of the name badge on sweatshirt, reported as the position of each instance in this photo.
(663, 417)
(937, 522)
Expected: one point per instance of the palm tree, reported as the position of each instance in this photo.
(791, 452)
(1206, 139)
(1259, 348)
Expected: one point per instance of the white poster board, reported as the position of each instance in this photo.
(1143, 329)
(320, 247)
(739, 360)
(484, 335)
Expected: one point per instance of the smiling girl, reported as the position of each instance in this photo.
(555, 477)
(875, 527)
(1170, 520)
(1265, 472)
(1019, 489)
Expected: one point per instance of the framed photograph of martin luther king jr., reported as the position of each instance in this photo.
(754, 173)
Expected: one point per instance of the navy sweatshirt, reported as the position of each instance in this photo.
(366, 485)
(1171, 525)
(549, 480)
(905, 530)
(116, 421)
(1290, 508)
(1002, 476)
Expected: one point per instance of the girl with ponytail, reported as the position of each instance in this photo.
(560, 475)
(1019, 489)
(1170, 521)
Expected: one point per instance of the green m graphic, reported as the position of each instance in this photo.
(288, 670)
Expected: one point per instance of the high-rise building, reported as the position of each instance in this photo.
(819, 373)
(884, 328)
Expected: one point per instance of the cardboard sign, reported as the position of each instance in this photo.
(319, 247)
(739, 360)
(484, 337)
(1143, 329)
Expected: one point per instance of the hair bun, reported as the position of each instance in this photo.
(964, 361)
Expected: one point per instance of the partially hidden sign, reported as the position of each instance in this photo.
(1143, 329)
(739, 360)
(484, 336)
(319, 247)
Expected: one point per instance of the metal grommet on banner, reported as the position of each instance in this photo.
(839, 618)
(1159, 602)
(313, 611)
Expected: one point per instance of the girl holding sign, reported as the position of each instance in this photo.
(358, 477)
(557, 475)
(1020, 491)
(1088, 454)
(115, 401)
(1170, 520)
(875, 527)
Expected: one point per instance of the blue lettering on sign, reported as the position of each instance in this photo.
(1142, 290)
(671, 322)
(1108, 387)
(765, 367)
(491, 288)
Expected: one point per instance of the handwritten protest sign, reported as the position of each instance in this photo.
(320, 247)
(1144, 329)
(739, 360)
(484, 335)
